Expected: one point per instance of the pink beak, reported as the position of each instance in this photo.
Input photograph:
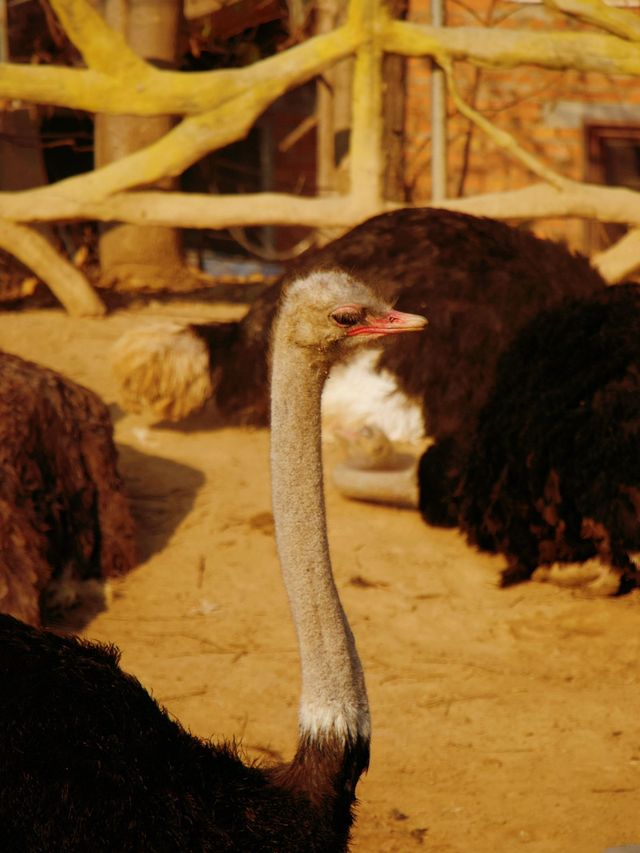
(391, 324)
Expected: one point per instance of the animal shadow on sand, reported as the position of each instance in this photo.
(161, 492)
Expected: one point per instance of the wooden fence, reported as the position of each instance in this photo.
(219, 107)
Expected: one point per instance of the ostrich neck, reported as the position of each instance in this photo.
(333, 699)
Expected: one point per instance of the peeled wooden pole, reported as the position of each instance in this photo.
(148, 255)
(64, 280)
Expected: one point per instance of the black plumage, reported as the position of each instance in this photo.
(477, 280)
(553, 469)
(64, 515)
(92, 763)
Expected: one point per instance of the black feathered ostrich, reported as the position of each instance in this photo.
(481, 280)
(89, 762)
(65, 522)
(548, 474)
(551, 474)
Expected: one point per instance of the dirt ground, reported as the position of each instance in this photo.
(504, 720)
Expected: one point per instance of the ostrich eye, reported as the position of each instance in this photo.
(348, 315)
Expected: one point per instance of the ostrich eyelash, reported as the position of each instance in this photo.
(347, 317)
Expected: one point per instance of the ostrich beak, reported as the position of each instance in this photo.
(389, 324)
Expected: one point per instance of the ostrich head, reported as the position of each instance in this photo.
(172, 370)
(332, 313)
(367, 448)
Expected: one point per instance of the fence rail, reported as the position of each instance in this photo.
(219, 107)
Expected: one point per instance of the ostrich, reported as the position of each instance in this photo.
(481, 279)
(374, 470)
(65, 523)
(90, 762)
(548, 473)
(552, 471)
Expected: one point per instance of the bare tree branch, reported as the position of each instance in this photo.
(509, 48)
(620, 260)
(620, 22)
(538, 201)
(111, 85)
(502, 138)
(195, 210)
(158, 92)
(102, 48)
(65, 281)
(221, 106)
(185, 144)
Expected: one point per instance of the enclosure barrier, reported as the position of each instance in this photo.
(219, 107)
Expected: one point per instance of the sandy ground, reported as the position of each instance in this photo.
(503, 720)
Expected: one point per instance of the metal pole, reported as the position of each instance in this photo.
(438, 117)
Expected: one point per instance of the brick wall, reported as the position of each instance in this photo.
(546, 112)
